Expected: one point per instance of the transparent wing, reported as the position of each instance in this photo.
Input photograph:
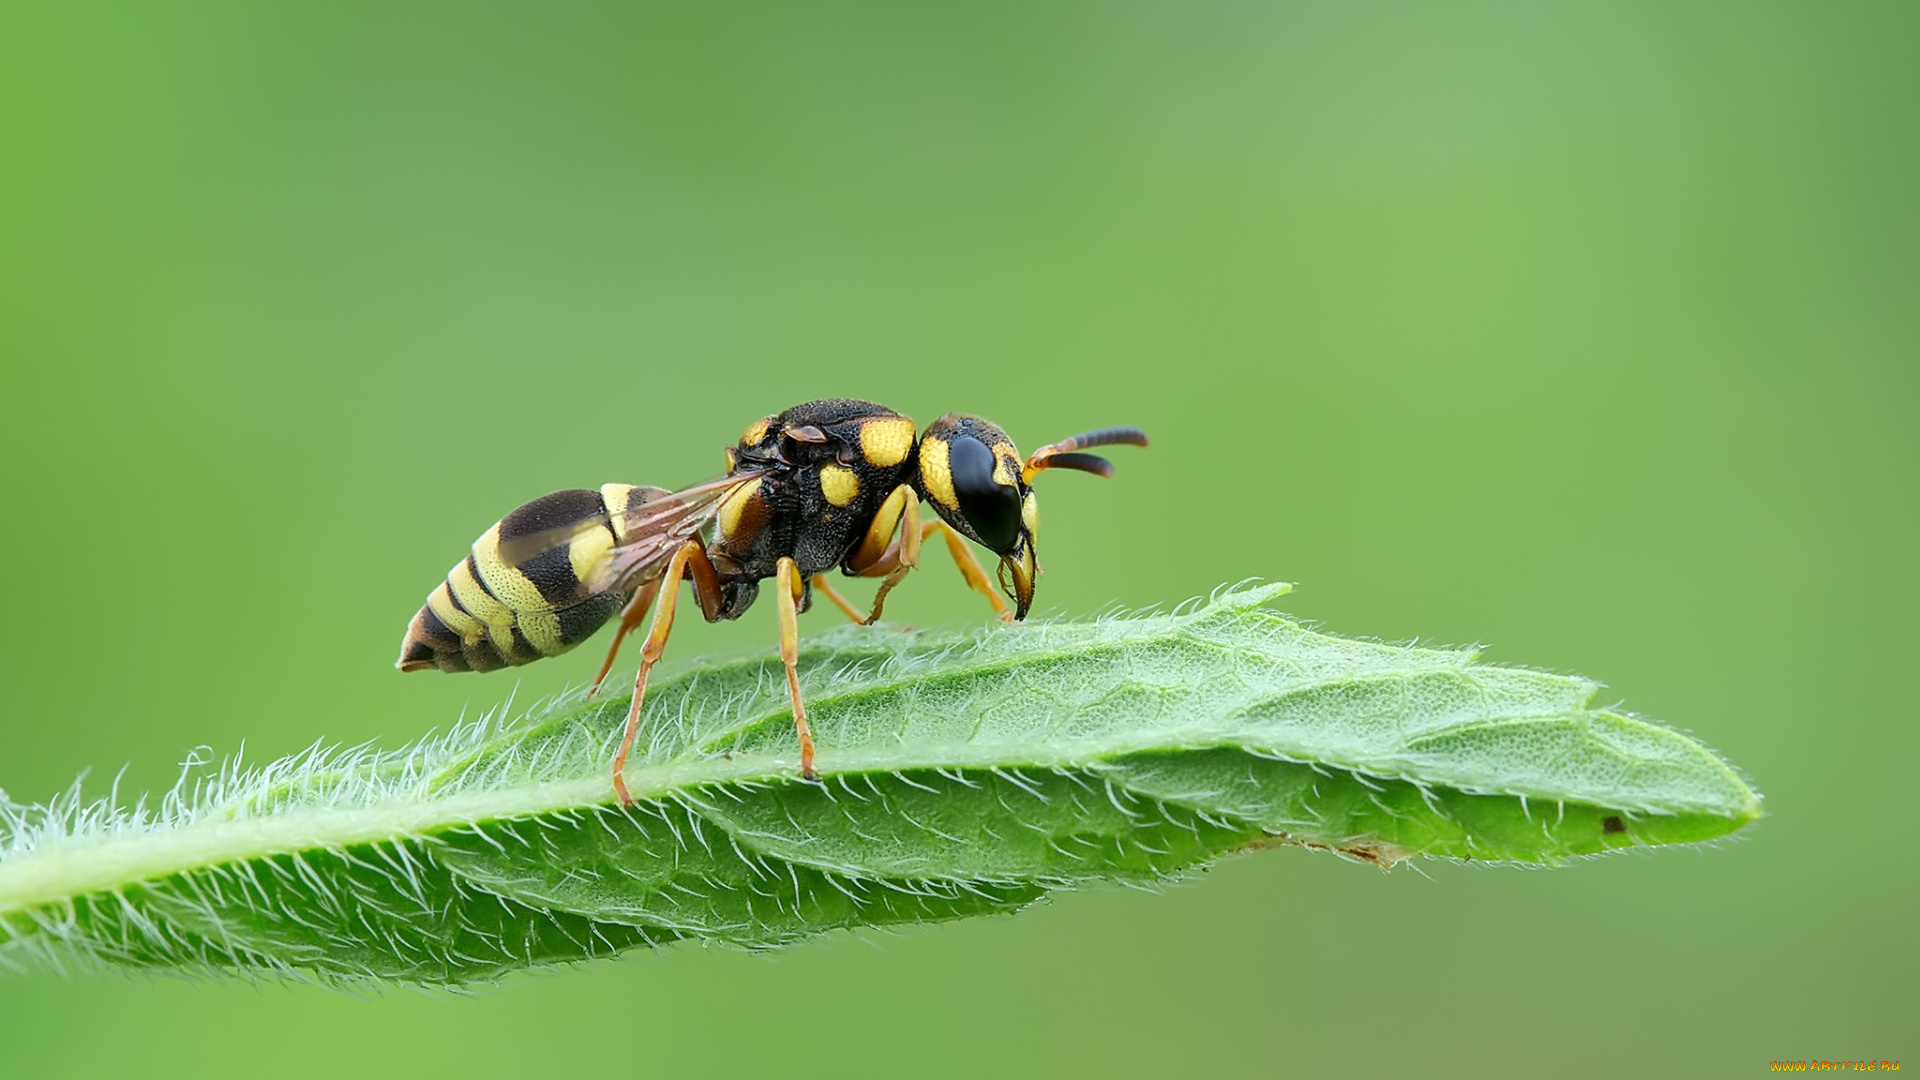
(651, 531)
(655, 535)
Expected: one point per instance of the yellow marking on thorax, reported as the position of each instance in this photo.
(936, 474)
(756, 431)
(838, 484)
(885, 442)
(735, 504)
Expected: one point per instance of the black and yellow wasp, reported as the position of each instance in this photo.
(824, 484)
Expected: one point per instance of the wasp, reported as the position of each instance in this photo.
(823, 484)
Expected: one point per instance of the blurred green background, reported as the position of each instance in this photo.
(1587, 332)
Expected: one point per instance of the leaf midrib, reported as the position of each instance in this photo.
(80, 866)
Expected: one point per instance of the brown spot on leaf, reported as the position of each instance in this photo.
(1613, 825)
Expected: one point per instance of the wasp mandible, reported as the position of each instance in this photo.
(824, 484)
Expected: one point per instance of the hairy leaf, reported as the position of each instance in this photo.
(960, 774)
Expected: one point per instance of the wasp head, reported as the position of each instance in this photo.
(972, 474)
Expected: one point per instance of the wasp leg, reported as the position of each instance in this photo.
(706, 589)
(970, 568)
(824, 587)
(895, 565)
(788, 588)
(630, 617)
(692, 554)
(905, 552)
(876, 557)
(902, 511)
(875, 547)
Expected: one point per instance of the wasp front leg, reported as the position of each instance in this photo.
(882, 554)
(692, 557)
(970, 568)
(876, 557)
(825, 588)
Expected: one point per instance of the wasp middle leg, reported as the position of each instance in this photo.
(788, 586)
(692, 556)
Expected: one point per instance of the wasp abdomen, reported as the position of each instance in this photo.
(497, 608)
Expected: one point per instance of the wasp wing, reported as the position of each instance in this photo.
(649, 531)
(652, 539)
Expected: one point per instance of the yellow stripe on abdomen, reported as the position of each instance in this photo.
(440, 602)
(512, 589)
(489, 612)
(542, 631)
(482, 605)
(515, 594)
(475, 598)
(590, 556)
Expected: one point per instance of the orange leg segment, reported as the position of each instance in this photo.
(902, 557)
(875, 557)
(787, 592)
(874, 547)
(824, 587)
(630, 617)
(971, 569)
(692, 554)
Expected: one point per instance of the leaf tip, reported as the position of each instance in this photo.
(1247, 593)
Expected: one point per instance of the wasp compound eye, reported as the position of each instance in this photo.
(991, 507)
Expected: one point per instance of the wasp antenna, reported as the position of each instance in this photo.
(1110, 436)
(1063, 455)
(1088, 463)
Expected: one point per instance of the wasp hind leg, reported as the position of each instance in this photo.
(788, 586)
(691, 558)
(630, 617)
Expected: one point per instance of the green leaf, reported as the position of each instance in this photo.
(960, 774)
